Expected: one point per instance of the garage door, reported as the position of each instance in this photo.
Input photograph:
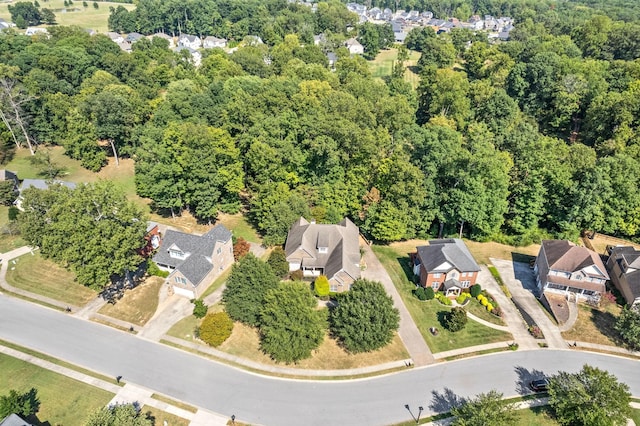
(183, 292)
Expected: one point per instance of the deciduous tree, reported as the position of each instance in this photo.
(244, 294)
(590, 397)
(365, 319)
(291, 326)
(485, 409)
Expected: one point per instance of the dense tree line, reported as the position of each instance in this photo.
(233, 19)
(517, 140)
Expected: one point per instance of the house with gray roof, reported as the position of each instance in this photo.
(623, 266)
(445, 264)
(194, 261)
(14, 420)
(212, 42)
(324, 249)
(39, 184)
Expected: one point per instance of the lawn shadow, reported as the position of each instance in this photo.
(442, 318)
(526, 376)
(407, 267)
(521, 257)
(605, 323)
(442, 402)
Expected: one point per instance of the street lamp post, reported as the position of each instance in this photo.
(233, 419)
(419, 412)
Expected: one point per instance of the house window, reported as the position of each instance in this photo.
(437, 275)
(464, 274)
(435, 285)
(180, 280)
(219, 250)
(333, 287)
(465, 284)
(176, 254)
(323, 249)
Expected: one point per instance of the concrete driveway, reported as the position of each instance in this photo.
(519, 279)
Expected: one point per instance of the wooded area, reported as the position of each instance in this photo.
(511, 141)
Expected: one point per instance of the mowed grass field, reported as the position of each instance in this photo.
(76, 14)
(35, 274)
(382, 65)
(63, 401)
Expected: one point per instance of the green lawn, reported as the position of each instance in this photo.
(159, 417)
(382, 65)
(63, 401)
(475, 308)
(539, 416)
(44, 277)
(240, 227)
(635, 415)
(8, 242)
(185, 328)
(90, 17)
(430, 313)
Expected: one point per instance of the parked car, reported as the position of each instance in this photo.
(539, 385)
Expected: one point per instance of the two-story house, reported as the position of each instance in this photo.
(565, 268)
(194, 261)
(445, 264)
(212, 42)
(354, 47)
(190, 41)
(323, 249)
(624, 271)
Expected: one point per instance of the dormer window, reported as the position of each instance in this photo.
(177, 254)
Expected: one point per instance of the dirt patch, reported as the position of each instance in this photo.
(137, 306)
(558, 306)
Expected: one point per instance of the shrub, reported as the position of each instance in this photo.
(278, 262)
(484, 302)
(443, 299)
(462, 298)
(153, 270)
(199, 308)
(456, 320)
(321, 286)
(475, 290)
(296, 275)
(497, 311)
(429, 293)
(420, 293)
(240, 249)
(216, 328)
(536, 332)
(489, 307)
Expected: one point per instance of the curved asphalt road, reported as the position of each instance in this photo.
(271, 401)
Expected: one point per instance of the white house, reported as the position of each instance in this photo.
(189, 41)
(115, 37)
(211, 42)
(196, 57)
(35, 30)
(354, 46)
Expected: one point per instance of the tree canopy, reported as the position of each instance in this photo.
(291, 325)
(118, 415)
(244, 295)
(589, 397)
(365, 319)
(93, 230)
(22, 404)
(485, 409)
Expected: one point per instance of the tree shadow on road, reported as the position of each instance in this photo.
(442, 402)
(526, 376)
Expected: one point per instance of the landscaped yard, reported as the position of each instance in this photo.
(430, 313)
(245, 342)
(44, 277)
(63, 401)
(89, 17)
(137, 306)
(595, 325)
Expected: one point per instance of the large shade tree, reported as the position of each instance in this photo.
(291, 326)
(365, 319)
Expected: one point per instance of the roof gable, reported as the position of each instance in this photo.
(446, 254)
(563, 255)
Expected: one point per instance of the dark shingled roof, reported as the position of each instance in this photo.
(563, 255)
(198, 250)
(452, 251)
(632, 258)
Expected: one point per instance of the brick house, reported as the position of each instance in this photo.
(194, 261)
(565, 268)
(624, 272)
(445, 264)
(324, 249)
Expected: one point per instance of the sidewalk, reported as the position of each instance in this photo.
(409, 333)
(129, 393)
